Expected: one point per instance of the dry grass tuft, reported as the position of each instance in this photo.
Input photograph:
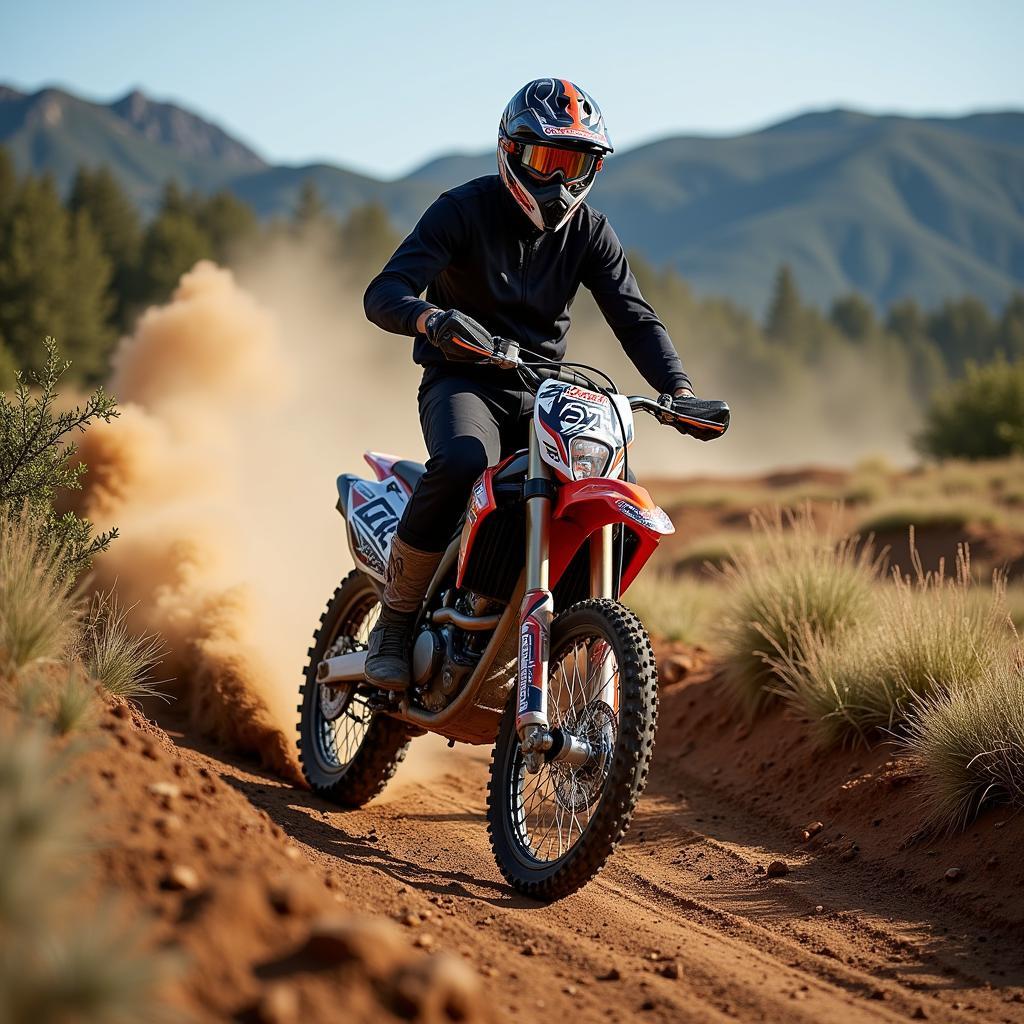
(795, 581)
(675, 607)
(967, 742)
(38, 613)
(925, 633)
(113, 655)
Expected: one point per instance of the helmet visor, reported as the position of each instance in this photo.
(544, 162)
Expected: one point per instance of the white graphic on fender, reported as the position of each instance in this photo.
(374, 509)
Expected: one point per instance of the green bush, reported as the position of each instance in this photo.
(981, 417)
(37, 458)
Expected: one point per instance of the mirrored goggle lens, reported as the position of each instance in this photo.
(546, 161)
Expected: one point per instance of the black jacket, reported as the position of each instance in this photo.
(476, 251)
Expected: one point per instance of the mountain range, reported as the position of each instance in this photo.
(891, 206)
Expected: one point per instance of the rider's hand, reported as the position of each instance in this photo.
(701, 419)
(458, 336)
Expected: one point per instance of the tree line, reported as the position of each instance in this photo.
(82, 267)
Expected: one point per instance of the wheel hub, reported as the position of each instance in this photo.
(334, 699)
(578, 788)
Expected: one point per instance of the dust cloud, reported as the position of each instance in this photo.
(844, 409)
(237, 415)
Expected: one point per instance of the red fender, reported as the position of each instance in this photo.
(584, 506)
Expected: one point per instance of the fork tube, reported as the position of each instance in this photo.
(535, 618)
(601, 547)
(538, 514)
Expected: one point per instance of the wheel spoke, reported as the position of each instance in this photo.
(552, 810)
(342, 718)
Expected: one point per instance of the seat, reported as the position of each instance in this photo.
(409, 472)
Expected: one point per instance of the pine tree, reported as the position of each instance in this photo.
(227, 222)
(310, 210)
(175, 201)
(854, 316)
(34, 267)
(8, 181)
(1010, 333)
(905, 320)
(963, 330)
(88, 336)
(112, 213)
(173, 243)
(786, 312)
(367, 240)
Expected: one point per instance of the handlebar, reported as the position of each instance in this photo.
(701, 418)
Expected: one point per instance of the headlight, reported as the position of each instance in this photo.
(588, 458)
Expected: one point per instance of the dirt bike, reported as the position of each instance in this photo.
(521, 640)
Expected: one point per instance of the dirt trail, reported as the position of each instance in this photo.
(681, 926)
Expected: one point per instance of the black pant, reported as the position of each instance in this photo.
(470, 420)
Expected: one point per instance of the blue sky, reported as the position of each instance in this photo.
(384, 86)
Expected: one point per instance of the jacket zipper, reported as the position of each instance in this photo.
(527, 254)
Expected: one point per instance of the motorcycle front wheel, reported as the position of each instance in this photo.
(551, 832)
(347, 752)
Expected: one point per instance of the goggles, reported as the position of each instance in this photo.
(544, 162)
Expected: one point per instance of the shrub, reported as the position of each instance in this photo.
(792, 582)
(925, 634)
(980, 417)
(967, 741)
(37, 458)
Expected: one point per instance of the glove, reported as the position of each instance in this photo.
(459, 337)
(698, 417)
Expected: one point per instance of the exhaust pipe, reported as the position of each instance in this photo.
(345, 668)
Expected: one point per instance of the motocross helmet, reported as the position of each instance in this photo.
(551, 143)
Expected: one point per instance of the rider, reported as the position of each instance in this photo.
(510, 251)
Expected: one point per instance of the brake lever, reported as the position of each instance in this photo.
(664, 413)
(506, 354)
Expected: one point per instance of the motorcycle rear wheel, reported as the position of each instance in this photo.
(552, 832)
(347, 752)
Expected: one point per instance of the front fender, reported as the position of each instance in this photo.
(584, 506)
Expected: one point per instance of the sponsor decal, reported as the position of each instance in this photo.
(480, 493)
(585, 396)
(526, 648)
(533, 653)
(373, 515)
(653, 519)
(576, 133)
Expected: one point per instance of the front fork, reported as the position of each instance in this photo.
(538, 741)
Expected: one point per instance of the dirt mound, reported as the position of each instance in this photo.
(263, 935)
(938, 545)
(844, 806)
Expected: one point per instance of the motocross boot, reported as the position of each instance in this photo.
(408, 575)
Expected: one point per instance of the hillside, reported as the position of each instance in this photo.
(931, 208)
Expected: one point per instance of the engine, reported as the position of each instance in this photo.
(444, 654)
